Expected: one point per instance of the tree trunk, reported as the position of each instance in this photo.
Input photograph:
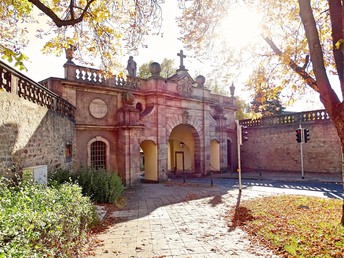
(342, 220)
(339, 123)
(328, 97)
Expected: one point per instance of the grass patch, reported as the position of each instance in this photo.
(293, 226)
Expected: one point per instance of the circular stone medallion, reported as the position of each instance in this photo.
(98, 108)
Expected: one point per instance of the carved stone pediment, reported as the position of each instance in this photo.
(184, 83)
(184, 86)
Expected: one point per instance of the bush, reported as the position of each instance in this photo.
(100, 185)
(41, 221)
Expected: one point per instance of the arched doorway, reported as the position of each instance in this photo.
(149, 161)
(215, 155)
(184, 150)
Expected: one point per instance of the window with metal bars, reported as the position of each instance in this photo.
(98, 155)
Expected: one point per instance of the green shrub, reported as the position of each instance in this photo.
(41, 221)
(101, 186)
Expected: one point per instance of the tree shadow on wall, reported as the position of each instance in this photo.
(33, 144)
(9, 159)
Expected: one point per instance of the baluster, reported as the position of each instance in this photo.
(94, 77)
(118, 81)
(37, 93)
(5, 79)
(31, 92)
(83, 75)
(77, 74)
(100, 78)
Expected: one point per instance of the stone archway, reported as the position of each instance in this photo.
(184, 150)
(149, 161)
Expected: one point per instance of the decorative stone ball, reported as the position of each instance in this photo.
(128, 98)
(219, 109)
(200, 80)
(155, 69)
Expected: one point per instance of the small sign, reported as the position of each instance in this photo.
(39, 174)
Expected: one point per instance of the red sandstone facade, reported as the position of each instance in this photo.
(155, 126)
(167, 124)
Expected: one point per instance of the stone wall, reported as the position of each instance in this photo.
(32, 135)
(273, 147)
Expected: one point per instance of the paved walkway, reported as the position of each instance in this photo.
(177, 220)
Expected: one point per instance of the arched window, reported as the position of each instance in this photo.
(98, 153)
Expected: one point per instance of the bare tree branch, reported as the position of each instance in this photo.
(336, 12)
(300, 70)
(327, 95)
(58, 21)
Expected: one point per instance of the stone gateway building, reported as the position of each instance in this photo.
(148, 127)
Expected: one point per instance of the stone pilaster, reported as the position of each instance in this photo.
(129, 154)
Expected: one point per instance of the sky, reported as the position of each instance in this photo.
(166, 45)
(159, 47)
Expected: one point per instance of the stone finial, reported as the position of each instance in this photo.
(70, 53)
(200, 80)
(232, 89)
(155, 69)
(219, 109)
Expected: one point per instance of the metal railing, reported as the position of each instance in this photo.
(15, 82)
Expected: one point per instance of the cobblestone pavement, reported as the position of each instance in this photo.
(178, 220)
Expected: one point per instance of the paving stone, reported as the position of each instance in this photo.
(161, 223)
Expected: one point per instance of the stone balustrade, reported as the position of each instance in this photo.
(90, 75)
(308, 116)
(222, 99)
(14, 82)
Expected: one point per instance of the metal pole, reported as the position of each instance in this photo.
(301, 151)
(239, 158)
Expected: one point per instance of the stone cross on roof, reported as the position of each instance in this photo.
(182, 56)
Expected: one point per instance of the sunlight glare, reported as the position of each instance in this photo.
(241, 26)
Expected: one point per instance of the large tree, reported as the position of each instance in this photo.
(265, 106)
(100, 30)
(303, 37)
